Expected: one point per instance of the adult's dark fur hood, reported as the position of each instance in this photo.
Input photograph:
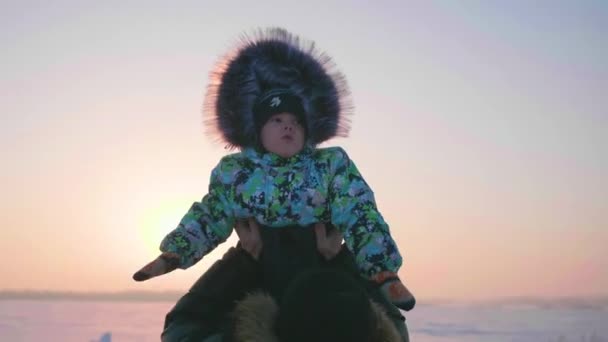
(256, 314)
(275, 59)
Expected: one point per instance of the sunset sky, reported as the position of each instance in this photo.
(482, 127)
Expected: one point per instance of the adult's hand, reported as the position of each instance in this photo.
(248, 232)
(329, 243)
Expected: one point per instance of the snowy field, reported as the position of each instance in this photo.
(87, 321)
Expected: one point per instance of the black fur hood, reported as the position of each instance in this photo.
(273, 59)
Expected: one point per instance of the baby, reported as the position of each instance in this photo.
(277, 99)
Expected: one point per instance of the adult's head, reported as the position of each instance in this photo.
(325, 306)
(321, 305)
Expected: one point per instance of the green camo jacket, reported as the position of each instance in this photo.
(316, 185)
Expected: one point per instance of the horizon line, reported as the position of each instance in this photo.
(599, 301)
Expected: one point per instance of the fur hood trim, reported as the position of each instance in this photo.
(267, 60)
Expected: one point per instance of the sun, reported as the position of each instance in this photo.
(157, 221)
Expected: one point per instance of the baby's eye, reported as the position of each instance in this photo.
(276, 119)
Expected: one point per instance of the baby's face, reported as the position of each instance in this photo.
(283, 135)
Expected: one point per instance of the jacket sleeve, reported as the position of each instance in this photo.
(208, 222)
(354, 213)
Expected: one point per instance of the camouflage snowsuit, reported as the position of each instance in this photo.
(316, 185)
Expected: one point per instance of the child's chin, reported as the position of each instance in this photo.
(288, 153)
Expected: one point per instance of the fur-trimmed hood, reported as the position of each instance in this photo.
(273, 59)
(254, 319)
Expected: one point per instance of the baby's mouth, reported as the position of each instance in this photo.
(287, 137)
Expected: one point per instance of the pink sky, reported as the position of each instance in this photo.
(482, 130)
